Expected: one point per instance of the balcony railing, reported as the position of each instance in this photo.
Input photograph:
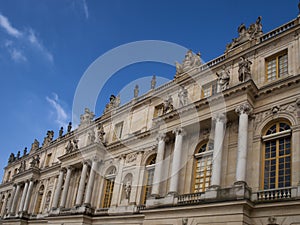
(278, 31)
(192, 198)
(275, 194)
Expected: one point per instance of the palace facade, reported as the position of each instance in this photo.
(219, 144)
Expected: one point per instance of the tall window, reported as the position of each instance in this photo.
(109, 187)
(209, 90)
(148, 181)
(202, 168)
(277, 66)
(118, 131)
(277, 156)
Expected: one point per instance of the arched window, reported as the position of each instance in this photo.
(109, 186)
(277, 156)
(149, 174)
(202, 167)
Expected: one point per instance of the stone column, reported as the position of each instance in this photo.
(28, 196)
(90, 185)
(66, 187)
(23, 196)
(243, 110)
(9, 204)
(15, 200)
(176, 164)
(220, 120)
(81, 184)
(158, 164)
(58, 189)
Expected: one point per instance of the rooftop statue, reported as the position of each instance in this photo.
(69, 127)
(254, 31)
(48, 138)
(153, 82)
(11, 158)
(61, 131)
(113, 103)
(190, 61)
(136, 91)
(87, 117)
(35, 145)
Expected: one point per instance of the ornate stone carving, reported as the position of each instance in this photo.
(161, 137)
(22, 167)
(136, 91)
(127, 189)
(223, 79)
(113, 103)
(272, 220)
(11, 158)
(254, 31)
(35, 162)
(168, 105)
(182, 96)
(91, 137)
(190, 61)
(179, 131)
(244, 69)
(35, 145)
(244, 108)
(72, 146)
(219, 117)
(48, 138)
(153, 82)
(131, 157)
(101, 133)
(86, 118)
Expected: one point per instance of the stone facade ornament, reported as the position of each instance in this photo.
(35, 162)
(18, 155)
(168, 105)
(91, 137)
(182, 96)
(113, 103)
(25, 151)
(11, 158)
(131, 157)
(244, 69)
(272, 220)
(253, 32)
(72, 146)
(35, 145)
(153, 82)
(22, 167)
(244, 108)
(127, 189)
(86, 118)
(48, 138)
(101, 133)
(190, 61)
(223, 79)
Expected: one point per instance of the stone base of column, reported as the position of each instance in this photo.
(240, 183)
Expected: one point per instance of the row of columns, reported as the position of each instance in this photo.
(220, 120)
(62, 196)
(25, 198)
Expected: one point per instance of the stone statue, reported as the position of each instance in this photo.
(190, 61)
(61, 131)
(111, 104)
(182, 96)
(35, 162)
(35, 145)
(48, 138)
(91, 137)
(153, 82)
(117, 101)
(11, 158)
(69, 127)
(127, 189)
(18, 155)
(86, 118)
(25, 151)
(168, 105)
(244, 69)
(22, 167)
(72, 146)
(136, 91)
(101, 133)
(223, 79)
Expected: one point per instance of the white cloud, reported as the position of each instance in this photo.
(86, 9)
(4, 23)
(60, 113)
(17, 55)
(37, 43)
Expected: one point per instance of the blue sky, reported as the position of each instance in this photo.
(46, 46)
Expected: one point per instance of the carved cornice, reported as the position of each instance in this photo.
(244, 108)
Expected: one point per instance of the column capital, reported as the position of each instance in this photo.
(64, 170)
(161, 137)
(70, 168)
(219, 117)
(179, 131)
(244, 108)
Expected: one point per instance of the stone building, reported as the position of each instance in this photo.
(219, 144)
